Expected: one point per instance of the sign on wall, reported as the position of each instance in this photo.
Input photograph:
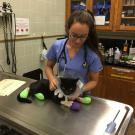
(22, 26)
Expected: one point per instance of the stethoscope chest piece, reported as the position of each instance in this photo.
(85, 64)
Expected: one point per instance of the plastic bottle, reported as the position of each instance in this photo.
(101, 48)
(110, 56)
(132, 49)
(117, 55)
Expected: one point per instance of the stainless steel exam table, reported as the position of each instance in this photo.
(48, 118)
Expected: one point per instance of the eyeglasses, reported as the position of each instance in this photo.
(75, 36)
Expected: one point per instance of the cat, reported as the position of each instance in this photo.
(67, 85)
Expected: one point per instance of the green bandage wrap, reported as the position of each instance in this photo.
(39, 96)
(86, 100)
(24, 93)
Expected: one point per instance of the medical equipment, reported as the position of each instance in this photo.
(9, 29)
(62, 55)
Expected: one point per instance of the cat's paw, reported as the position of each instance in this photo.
(74, 106)
(58, 93)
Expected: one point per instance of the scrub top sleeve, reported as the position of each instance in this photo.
(95, 65)
(51, 54)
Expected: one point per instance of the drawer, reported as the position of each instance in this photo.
(118, 72)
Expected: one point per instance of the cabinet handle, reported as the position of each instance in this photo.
(123, 77)
(115, 75)
(121, 73)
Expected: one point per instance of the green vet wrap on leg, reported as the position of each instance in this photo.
(86, 100)
(39, 96)
(24, 93)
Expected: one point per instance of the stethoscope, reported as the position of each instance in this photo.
(62, 55)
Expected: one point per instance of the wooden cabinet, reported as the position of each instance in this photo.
(118, 84)
(120, 90)
(127, 92)
(125, 15)
(111, 15)
(102, 8)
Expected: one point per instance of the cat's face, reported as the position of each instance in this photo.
(68, 85)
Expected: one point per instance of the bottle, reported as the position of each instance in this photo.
(117, 55)
(132, 49)
(125, 48)
(110, 56)
(101, 49)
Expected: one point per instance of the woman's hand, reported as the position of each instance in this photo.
(50, 75)
(79, 90)
(53, 84)
(75, 95)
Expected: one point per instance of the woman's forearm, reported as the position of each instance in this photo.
(93, 80)
(49, 72)
(89, 86)
(49, 69)
(50, 75)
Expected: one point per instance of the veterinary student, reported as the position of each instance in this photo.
(77, 55)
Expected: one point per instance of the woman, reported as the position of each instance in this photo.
(78, 54)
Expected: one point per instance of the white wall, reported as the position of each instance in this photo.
(45, 16)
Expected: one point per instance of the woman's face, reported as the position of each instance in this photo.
(78, 33)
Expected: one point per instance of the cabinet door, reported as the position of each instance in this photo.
(112, 89)
(72, 5)
(125, 15)
(104, 13)
(120, 90)
(127, 92)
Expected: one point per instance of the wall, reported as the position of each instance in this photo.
(46, 16)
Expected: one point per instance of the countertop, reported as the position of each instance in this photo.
(122, 65)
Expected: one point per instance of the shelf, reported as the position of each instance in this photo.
(75, 0)
(128, 17)
(133, 5)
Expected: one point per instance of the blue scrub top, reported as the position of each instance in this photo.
(74, 67)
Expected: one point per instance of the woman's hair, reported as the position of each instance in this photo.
(85, 17)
